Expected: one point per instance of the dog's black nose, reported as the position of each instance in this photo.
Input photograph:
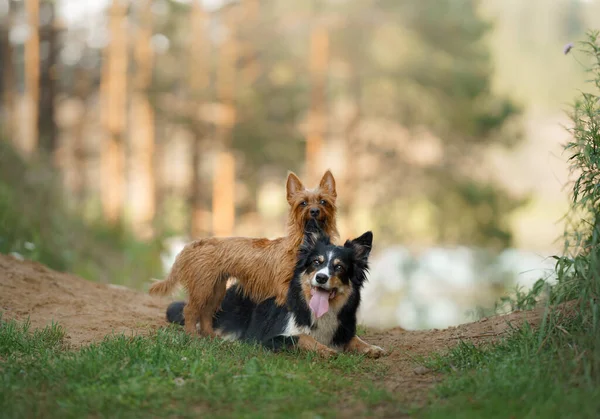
(314, 212)
(321, 278)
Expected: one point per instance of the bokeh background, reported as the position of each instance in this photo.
(130, 127)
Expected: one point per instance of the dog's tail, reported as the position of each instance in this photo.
(165, 287)
(175, 313)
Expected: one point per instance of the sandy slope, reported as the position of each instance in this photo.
(89, 311)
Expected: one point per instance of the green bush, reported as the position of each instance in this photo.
(553, 370)
(36, 223)
(579, 269)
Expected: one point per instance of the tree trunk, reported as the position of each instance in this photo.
(196, 198)
(7, 87)
(32, 77)
(143, 204)
(48, 76)
(319, 57)
(114, 108)
(251, 69)
(82, 89)
(224, 194)
(351, 135)
(223, 209)
(198, 83)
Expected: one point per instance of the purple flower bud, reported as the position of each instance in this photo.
(568, 48)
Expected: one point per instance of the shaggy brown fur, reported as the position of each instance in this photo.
(263, 267)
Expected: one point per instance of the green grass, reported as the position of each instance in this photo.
(521, 376)
(171, 374)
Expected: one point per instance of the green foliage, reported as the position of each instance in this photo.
(522, 42)
(172, 374)
(475, 213)
(36, 223)
(554, 370)
(425, 65)
(519, 298)
(438, 82)
(268, 104)
(524, 299)
(454, 69)
(580, 268)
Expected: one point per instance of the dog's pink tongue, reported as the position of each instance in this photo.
(319, 301)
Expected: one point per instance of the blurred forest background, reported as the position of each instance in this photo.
(125, 123)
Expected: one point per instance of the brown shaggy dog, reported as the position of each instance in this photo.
(264, 268)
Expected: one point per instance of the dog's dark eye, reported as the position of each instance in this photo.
(304, 203)
(316, 262)
(339, 268)
(323, 202)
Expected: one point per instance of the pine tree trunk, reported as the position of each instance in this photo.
(251, 69)
(7, 81)
(82, 89)
(198, 83)
(48, 88)
(223, 194)
(319, 57)
(223, 210)
(196, 195)
(32, 77)
(114, 108)
(143, 204)
(352, 143)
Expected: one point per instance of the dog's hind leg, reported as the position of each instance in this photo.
(191, 314)
(207, 312)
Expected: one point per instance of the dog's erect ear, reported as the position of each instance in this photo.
(293, 186)
(328, 183)
(365, 240)
(361, 245)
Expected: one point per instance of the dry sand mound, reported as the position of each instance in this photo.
(89, 311)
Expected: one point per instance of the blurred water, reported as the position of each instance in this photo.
(443, 287)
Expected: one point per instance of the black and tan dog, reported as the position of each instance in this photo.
(322, 301)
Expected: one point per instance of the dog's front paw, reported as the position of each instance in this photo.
(373, 351)
(309, 343)
(326, 352)
(357, 345)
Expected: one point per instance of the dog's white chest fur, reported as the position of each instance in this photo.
(324, 328)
